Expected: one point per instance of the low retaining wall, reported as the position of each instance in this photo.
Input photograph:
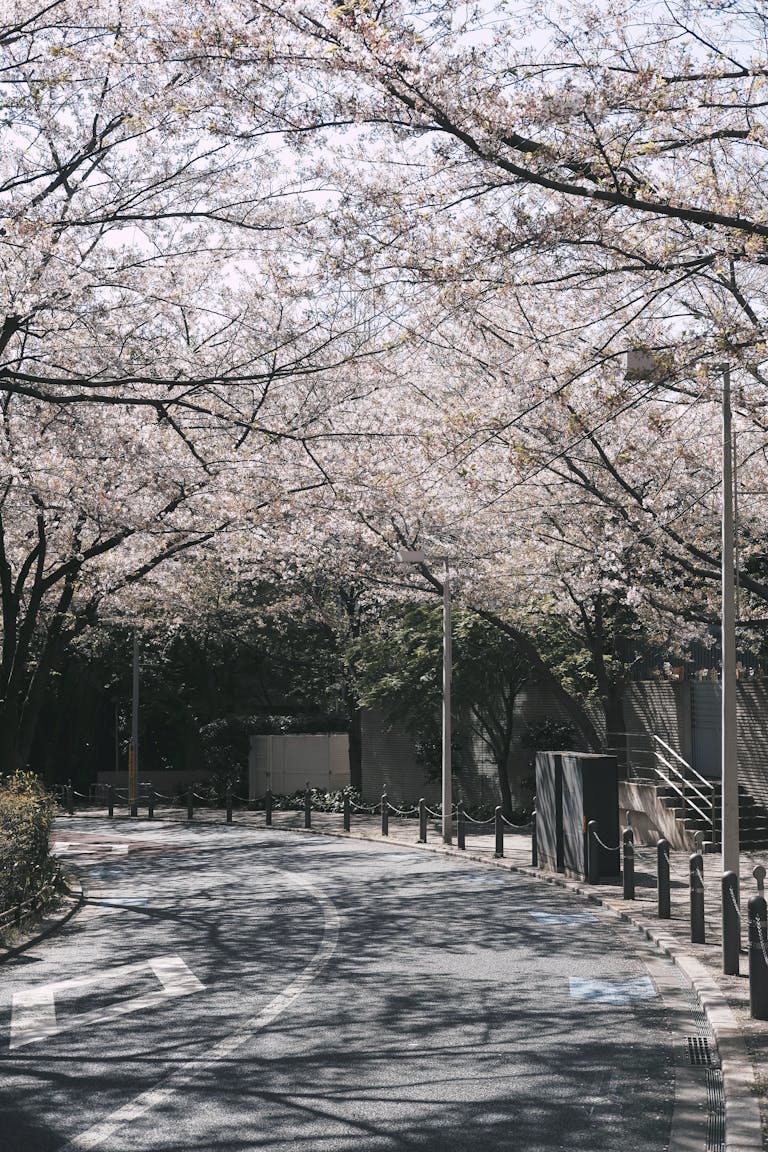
(650, 818)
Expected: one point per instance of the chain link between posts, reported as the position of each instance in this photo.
(603, 845)
(758, 925)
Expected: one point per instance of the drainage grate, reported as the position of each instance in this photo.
(698, 1052)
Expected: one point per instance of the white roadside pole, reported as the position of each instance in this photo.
(730, 775)
(416, 557)
(133, 750)
(642, 365)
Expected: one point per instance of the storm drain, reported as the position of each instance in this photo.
(716, 1104)
(699, 1053)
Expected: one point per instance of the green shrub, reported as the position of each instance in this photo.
(26, 816)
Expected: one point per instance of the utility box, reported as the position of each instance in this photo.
(573, 788)
(549, 810)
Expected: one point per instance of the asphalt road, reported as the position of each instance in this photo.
(229, 990)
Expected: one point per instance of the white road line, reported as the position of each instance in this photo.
(33, 1015)
(179, 1079)
(81, 848)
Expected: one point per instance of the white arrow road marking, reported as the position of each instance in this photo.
(132, 1111)
(33, 1016)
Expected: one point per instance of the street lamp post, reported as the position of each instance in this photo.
(729, 768)
(447, 674)
(643, 365)
(417, 557)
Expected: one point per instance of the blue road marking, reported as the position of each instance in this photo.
(613, 991)
(564, 917)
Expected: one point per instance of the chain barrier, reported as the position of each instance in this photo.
(606, 847)
(758, 926)
(402, 811)
(733, 901)
(519, 827)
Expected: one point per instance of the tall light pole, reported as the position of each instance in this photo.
(417, 558)
(133, 749)
(729, 764)
(447, 676)
(643, 365)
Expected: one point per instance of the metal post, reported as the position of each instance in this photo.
(534, 842)
(758, 958)
(662, 873)
(696, 868)
(70, 801)
(133, 751)
(730, 772)
(499, 834)
(422, 822)
(731, 924)
(347, 811)
(307, 806)
(111, 801)
(134, 804)
(384, 814)
(447, 665)
(151, 804)
(228, 802)
(461, 826)
(190, 805)
(593, 862)
(268, 807)
(628, 863)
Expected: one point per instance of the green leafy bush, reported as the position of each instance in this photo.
(26, 816)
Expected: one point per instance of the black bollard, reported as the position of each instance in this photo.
(696, 870)
(70, 801)
(228, 802)
(662, 875)
(111, 801)
(534, 842)
(731, 924)
(422, 822)
(134, 806)
(628, 863)
(190, 805)
(758, 958)
(461, 827)
(384, 814)
(307, 807)
(151, 804)
(593, 862)
(268, 807)
(347, 811)
(499, 834)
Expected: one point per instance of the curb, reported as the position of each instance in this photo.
(50, 922)
(743, 1124)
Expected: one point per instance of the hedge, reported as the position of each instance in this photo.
(26, 817)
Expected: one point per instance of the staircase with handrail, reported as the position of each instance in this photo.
(694, 801)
